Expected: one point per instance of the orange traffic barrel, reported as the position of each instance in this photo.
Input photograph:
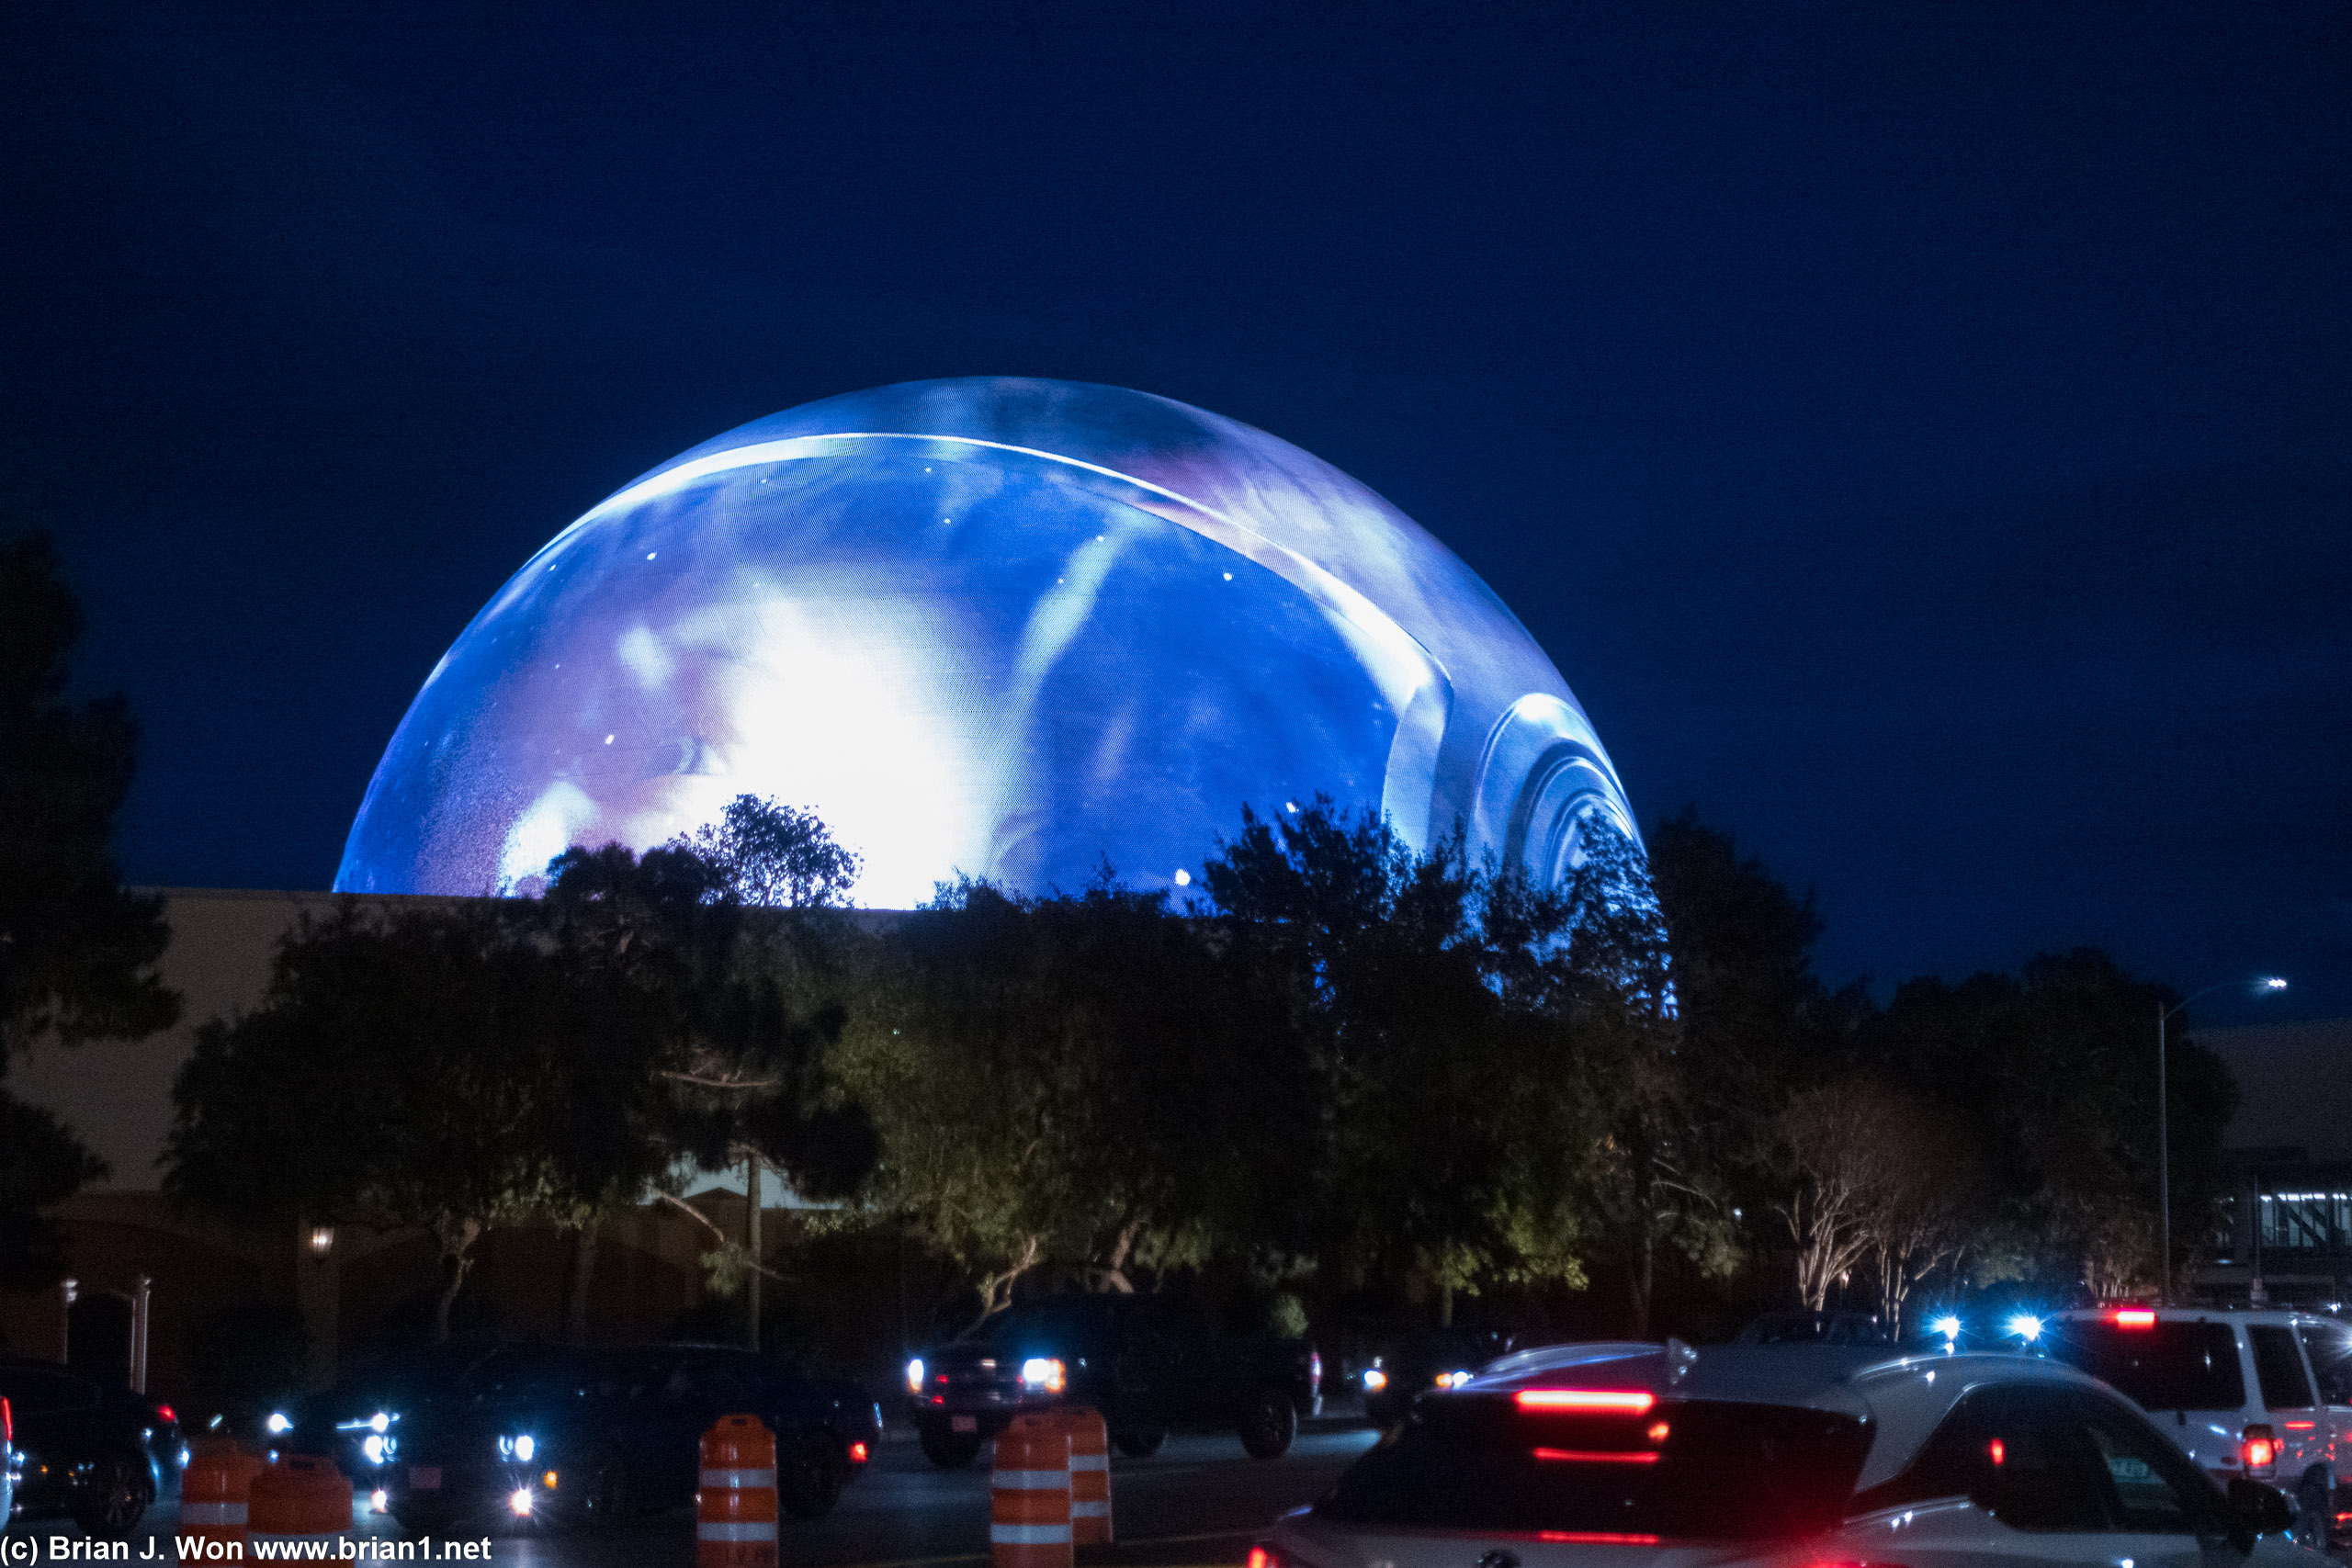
(1029, 1494)
(300, 1500)
(735, 1505)
(1089, 1476)
(214, 1493)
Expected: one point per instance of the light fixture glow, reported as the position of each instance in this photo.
(1043, 1373)
(1374, 1380)
(914, 1375)
(518, 1502)
(2026, 1327)
(279, 1423)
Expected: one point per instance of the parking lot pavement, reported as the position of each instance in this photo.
(1197, 1501)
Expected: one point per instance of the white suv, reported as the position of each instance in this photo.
(2266, 1395)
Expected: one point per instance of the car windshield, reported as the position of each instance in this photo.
(2169, 1365)
(1041, 1325)
(1681, 1470)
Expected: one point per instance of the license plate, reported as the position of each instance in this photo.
(962, 1423)
(424, 1478)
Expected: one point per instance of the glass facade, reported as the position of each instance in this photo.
(1013, 629)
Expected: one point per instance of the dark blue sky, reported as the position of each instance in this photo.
(1917, 431)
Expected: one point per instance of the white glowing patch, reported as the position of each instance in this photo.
(1183, 878)
(545, 831)
(820, 697)
(644, 657)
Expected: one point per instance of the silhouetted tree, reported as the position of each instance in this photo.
(77, 949)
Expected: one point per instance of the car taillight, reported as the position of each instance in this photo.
(1265, 1557)
(7, 1421)
(1624, 1401)
(167, 1413)
(2133, 1317)
(858, 1453)
(2258, 1451)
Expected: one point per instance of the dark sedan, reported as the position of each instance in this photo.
(95, 1454)
(550, 1438)
(1416, 1361)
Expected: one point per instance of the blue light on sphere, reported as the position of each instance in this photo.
(1008, 628)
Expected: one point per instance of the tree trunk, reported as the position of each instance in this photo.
(751, 1245)
(1445, 1305)
(584, 1271)
(457, 1257)
(1641, 1275)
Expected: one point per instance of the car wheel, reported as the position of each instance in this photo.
(1139, 1445)
(950, 1451)
(2314, 1505)
(811, 1482)
(604, 1493)
(1268, 1424)
(117, 1499)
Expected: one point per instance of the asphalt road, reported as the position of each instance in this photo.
(1193, 1504)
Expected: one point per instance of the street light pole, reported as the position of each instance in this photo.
(2164, 1016)
(2163, 1156)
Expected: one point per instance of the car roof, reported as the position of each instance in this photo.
(1901, 1395)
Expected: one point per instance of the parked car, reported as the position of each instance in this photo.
(100, 1455)
(2264, 1394)
(1814, 1328)
(1413, 1362)
(1150, 1364)
(1642, 1456)
(589, 1438)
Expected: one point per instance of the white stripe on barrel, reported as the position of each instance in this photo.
(721, 1529)
(1030, 1480)
(212, 1513)
(1027, 1535)
(736, 1479)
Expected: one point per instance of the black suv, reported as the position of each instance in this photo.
(98, 1454)
(1148, 1363)
(552, 1437)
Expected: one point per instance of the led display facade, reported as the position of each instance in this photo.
(1016, 629)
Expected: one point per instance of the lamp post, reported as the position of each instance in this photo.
(2164, 1016)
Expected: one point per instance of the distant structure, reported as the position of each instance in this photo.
(2286, 1233)
(1008, 628)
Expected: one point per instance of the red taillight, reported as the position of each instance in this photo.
(1855, 1563)
(1621, 1401)
(7, 1421)
(858, 1454)
(1997, 1450)
(2258, 1451)
(167, 1413)
(2133, 1317)
(1598, 1455)
(1595, 1538)
(2301, 1426)
(1264, 1557)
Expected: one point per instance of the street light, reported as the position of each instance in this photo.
(2262, 988)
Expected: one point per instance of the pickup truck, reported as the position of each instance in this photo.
(1149, 1363)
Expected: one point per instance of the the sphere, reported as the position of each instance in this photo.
(1011, 629)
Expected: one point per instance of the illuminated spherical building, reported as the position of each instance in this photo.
(1010, 629)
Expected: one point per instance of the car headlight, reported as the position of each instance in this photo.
(380, 1422)
(278, 1422)
(1043, 1373)
(1452, 1379)
(1374, 1380)
(518, 1448)
(914, 1375)
(373, 1447)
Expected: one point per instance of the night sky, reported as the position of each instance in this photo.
(1918, 432)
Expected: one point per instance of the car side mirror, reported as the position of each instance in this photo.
(2256, 1510)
